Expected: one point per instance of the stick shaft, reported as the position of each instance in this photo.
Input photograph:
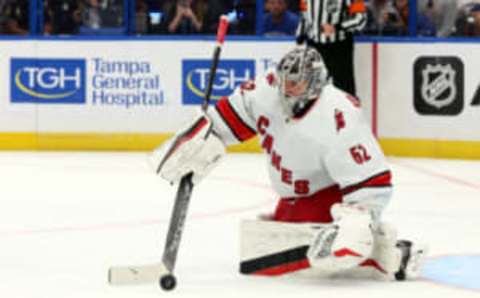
(184, 192)
(221, 32)
(177, 221)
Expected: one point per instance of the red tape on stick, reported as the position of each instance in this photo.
(222, 29)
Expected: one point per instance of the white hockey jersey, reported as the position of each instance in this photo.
(328, 155)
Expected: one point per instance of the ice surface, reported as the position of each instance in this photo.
(67, 217)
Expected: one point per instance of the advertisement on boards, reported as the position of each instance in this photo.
(48, 81)
(119, 86)
(229, 74)
(438, 85)
(121, 83)
(429, 92)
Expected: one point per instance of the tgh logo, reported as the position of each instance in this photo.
(438, 85)
(53, 81)
(230, 74)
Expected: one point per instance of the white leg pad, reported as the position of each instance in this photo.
(346, 244)
(274, 248)
(384, 260)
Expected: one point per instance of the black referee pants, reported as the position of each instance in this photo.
(338, 59)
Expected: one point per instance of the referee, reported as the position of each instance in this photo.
(329, 25)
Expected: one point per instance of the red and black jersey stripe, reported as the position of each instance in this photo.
(383, 179)
(235, 123)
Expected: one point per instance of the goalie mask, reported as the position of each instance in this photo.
(302, 75)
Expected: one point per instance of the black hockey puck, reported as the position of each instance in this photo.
(400, 275)
(168, 282)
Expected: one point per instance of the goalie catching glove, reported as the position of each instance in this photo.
(195, 149)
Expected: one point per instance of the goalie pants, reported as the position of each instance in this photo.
(314, 208)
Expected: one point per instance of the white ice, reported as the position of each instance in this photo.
(65, 218)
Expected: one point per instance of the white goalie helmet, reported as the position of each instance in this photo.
(302, 75)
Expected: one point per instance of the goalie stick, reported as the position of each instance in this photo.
(163, 272)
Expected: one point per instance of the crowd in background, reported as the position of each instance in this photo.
(440, 18)
(437, 18)
(107, 16)
(14, 17)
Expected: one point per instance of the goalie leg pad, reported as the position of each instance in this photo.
(274, 248)
(391, 259)
(385, 258)
(345, 244)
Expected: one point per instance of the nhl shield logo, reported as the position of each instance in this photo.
(438, 85)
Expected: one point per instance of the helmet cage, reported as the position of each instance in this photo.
(301, 65)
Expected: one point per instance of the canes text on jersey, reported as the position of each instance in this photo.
(300, 186)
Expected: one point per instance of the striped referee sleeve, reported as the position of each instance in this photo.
(356, 18)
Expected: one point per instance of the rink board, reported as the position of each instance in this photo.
(131, 95)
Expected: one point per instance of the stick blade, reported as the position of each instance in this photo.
(136, 274)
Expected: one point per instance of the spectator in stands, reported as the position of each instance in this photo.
(63, 15)
(400, 22)
(463, 3)
(111, 13)
(468, 21)
(184, 16)
(383, 18)
(100, 16)
(15, 14)
(294, 5)
(247, 12)
(475, 16)
(215, 9)
(376, 12)
(3, 18)
(47, 18)
(425, 15)
(141, 17)
(441, 13)
(90, 14)
(279, 20)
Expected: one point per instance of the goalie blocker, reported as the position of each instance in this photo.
(350, 246)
